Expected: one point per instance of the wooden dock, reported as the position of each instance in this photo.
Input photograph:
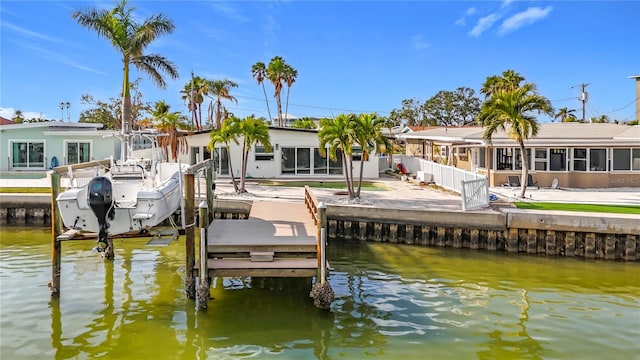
(279, 239)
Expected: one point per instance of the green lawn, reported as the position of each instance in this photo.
(25, 190)
(339, 185)
(615, 209)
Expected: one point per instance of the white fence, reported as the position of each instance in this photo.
(475, 194)
(446, 176)
(474, 188)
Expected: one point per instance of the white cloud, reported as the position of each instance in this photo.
(56, 56)
(31, 34)
(9, 113)
(505, 3)
(463, 20)
(483, 24)
(419, 42)
(527, 17)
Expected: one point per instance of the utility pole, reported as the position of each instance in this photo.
(583, 96)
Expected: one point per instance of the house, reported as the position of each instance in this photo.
(36, 147)
(5, 121)
(567, 154)
(294, 154)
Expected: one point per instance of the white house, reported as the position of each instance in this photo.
(294, 154)
(36, 147)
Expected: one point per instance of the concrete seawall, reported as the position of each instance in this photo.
(552, 233)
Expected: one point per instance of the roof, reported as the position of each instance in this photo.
(56, 126)
(549, 134)
(5, 121)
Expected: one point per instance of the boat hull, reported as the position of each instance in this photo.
(149, 207)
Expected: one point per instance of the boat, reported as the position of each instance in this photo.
(131, 195)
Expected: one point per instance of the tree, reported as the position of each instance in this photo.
(367, 129)
(193, 94)
(228, 132)
(304, 123)
(412, 113)
(109, 113)
(290, 77)
(220, 89)
(173, 125)
(131, 38)
(279, 73)
(259, 72)
(566, 115)
(452, 108)
(512, 111)
(18, 117)
(600, 119)
(509, 81)
(337, 135)
(253, 131)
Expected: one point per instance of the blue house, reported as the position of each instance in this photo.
(36, 147)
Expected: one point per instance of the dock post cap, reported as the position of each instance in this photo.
(203, 205)
(322, 205)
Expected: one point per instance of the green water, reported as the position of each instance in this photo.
(392, 302)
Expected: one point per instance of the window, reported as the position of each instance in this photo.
(579, 159)
(518, 164)
(504, 159)
(541, 159)
(319, 162)
(221, 161)
(335, 166)
(635, 159)
(262, 154)
(288, 160)
(303, 161)
(621, 159)
(27, 154)
(482, 158)
(558, 159)
(356, 153)
(598, 160)
(77, 152)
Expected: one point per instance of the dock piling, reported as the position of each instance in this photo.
(202, 293)
(321, 292)
(189, 209)
(56, 229)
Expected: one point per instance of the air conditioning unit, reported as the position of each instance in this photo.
(424, 177)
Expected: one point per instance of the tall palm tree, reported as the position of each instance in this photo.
(219, 89)
(193, 94)
(228, 132)
(368, 135)
(18, 117)
(173, 124)
(337, 135)
(509, 81)
(259, 72)
(512, 112)
(131, 38)
(253, 131)
(276, 72)
(566, 115)
(290, 77)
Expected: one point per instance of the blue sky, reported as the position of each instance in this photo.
(351, 56)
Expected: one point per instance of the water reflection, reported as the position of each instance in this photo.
(392, 301)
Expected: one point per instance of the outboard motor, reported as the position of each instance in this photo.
(101, 202)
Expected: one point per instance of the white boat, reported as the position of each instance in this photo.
(132, 195)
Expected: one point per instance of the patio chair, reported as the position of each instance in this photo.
(531, 182)
(513, 181)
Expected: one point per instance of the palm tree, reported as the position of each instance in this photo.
(566, 115)
(511, 111)
(193, 94)
(131, 38)
(254, 131)
(259, 72)
(276, 73)
(510, 80)
(220, 89)
(289, 78)
(173, 125)
(18, 117)
(368, 135)
(337, 134)
(228, 132)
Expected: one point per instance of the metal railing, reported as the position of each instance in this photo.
(475, 194)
